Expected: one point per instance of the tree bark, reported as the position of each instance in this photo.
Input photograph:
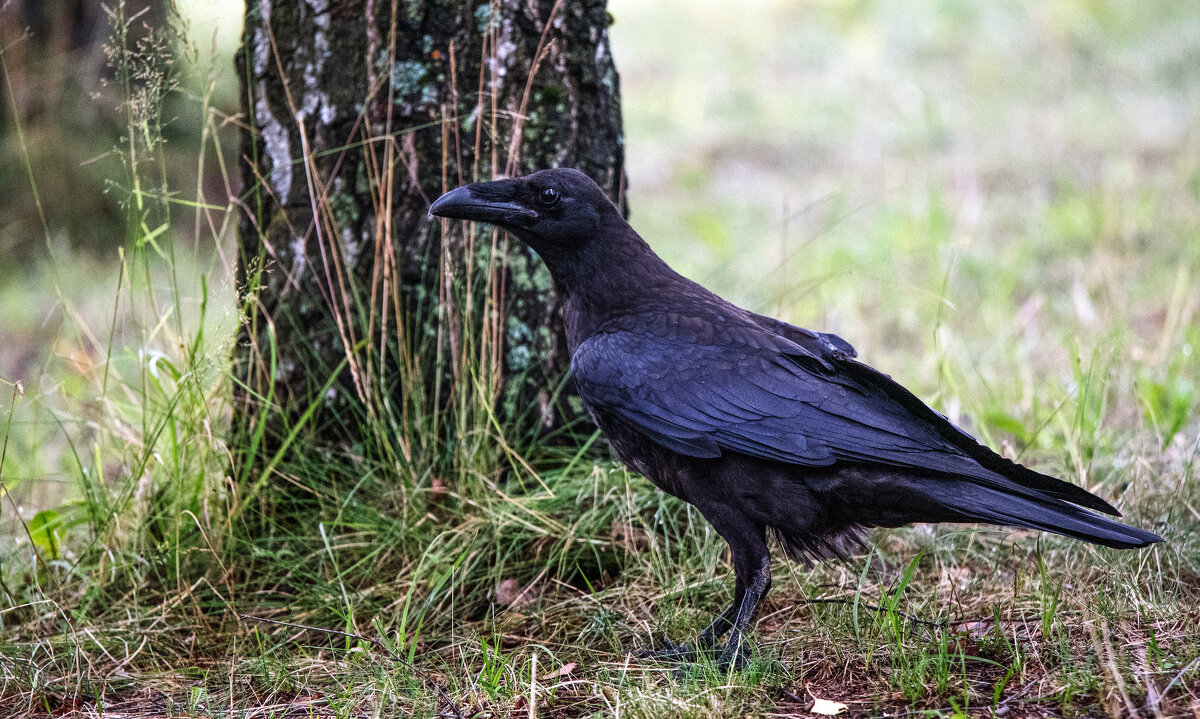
(360, 113)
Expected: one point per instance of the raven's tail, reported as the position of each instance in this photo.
(980, 503)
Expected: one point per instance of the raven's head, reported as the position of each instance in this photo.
(553, 211)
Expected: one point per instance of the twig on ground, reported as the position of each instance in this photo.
(1153, 705)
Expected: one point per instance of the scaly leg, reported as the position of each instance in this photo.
(705, 642)
(752, 563)
(756, 589)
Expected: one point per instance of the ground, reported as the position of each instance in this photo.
(998, 205)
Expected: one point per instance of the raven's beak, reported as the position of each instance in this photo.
(483, 202)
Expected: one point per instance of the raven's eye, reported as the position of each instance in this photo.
(549, 197)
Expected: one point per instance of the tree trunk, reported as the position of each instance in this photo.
(360, 113)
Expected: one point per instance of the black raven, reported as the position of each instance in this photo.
(762, 425)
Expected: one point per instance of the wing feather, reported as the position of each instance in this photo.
(704, 393)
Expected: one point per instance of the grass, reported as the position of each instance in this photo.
(998, 205)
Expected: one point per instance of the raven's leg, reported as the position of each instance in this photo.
(707, 639)
(752, 564)
(723, 623)
(758, 583)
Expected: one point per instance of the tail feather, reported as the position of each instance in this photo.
(1026, 477)
(978, 503)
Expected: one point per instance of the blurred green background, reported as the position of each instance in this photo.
(997, 203)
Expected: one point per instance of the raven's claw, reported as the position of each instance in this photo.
(669, 654)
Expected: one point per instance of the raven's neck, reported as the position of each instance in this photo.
(612, 277)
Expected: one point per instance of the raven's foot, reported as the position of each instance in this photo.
(731, 656)
(726, 661)
(670, 654)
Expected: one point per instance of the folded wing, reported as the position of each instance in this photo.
(753, 391)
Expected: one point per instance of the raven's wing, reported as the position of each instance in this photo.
(774, 402)
(741, 389)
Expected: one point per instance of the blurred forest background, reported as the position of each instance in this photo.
(958, 176)
(996, 203)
